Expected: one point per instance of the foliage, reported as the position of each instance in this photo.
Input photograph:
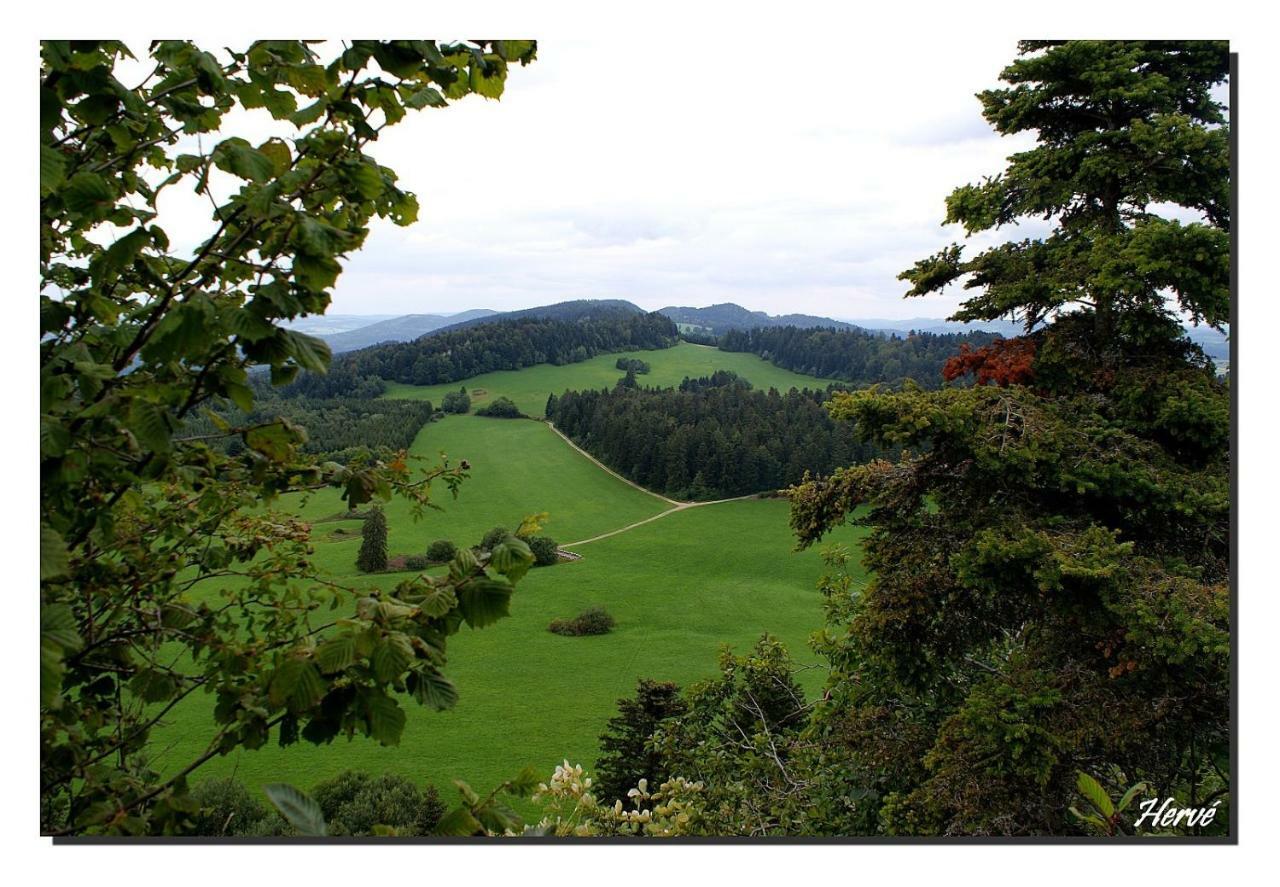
(591, 621)
(1003, 362)
(493, 538)
(226, 808)
(355, 803)
(510, 344)
(546, 553)
(441, 550)
(627, 758)
(457, 401)
(417, 562)
(372, 557)
(712, 438)
(1051, 563)
(855, 357)
(633, 365)
(1103, 816)
(501, 408)
(340, 429)
(136, 339)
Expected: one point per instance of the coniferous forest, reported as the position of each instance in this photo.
(855, 357)
(711, 438)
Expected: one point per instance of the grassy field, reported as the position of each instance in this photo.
(530, 387)
(680, 587)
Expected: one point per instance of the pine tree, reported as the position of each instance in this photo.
(373, 543)
(625, 756)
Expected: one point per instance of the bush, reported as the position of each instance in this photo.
(634, 365)
(493, 537)
(456, 401)
(416, 562)
(441, 550)
(227, 809)
(545, 551)
(501, 408)
(353, 803)
(595, 620)
(373, 546)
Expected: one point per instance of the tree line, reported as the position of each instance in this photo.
(713, 437)
(857, 357)
(510, 344)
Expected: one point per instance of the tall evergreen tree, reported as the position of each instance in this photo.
(1051, 563)
(626, 754)
(372, 557)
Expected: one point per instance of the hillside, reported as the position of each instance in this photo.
(718, 319)
(404, 328)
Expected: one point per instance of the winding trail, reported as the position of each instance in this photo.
(676, 505)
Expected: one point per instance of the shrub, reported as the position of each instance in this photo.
(373, 546)
(632, 364)
(416, 562)
(441, 550)
(353, 803)
(501, 408)
(594, 620)
(228, 809)
(545, 551)
(456, 401)
(493, 537)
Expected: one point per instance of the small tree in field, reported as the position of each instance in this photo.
(373, 543)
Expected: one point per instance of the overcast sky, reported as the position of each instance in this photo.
(780, 179)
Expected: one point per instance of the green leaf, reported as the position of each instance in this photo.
(391, 657)
(1133, 792)
(53, 170)
(150, 424)
(431, 688)
(336, 654)
(367, 180)
(459, 823)
(53, 554)
(1096, 795)
(275, 441)
(428, 95)
(309, 352)
(58, 636)
(483, 601)
(299, 809)
(278, 153)
(384, 718)
(241, 159)
(153, 685)
(88, 194)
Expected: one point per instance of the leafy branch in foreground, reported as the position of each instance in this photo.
(164, 571)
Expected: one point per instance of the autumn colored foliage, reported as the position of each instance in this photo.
(1004, 362)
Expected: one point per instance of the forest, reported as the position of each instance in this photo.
(336, 428)
(856, 357)
(712, 438)
(512, 344)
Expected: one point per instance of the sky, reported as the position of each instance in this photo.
(780, 179)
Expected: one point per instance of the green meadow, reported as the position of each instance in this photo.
(680, 587)
(530, 387)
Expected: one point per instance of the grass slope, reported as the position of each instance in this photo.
(680, 587)
(530, 387)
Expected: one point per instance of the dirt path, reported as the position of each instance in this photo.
(675, 504)
(564, 437)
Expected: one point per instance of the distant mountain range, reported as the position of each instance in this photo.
(398, 329)
(716, 319)
(348, 332)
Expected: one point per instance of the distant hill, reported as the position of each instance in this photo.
(719, 319)
(330, 324)
(404, 328)
(578, 309)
